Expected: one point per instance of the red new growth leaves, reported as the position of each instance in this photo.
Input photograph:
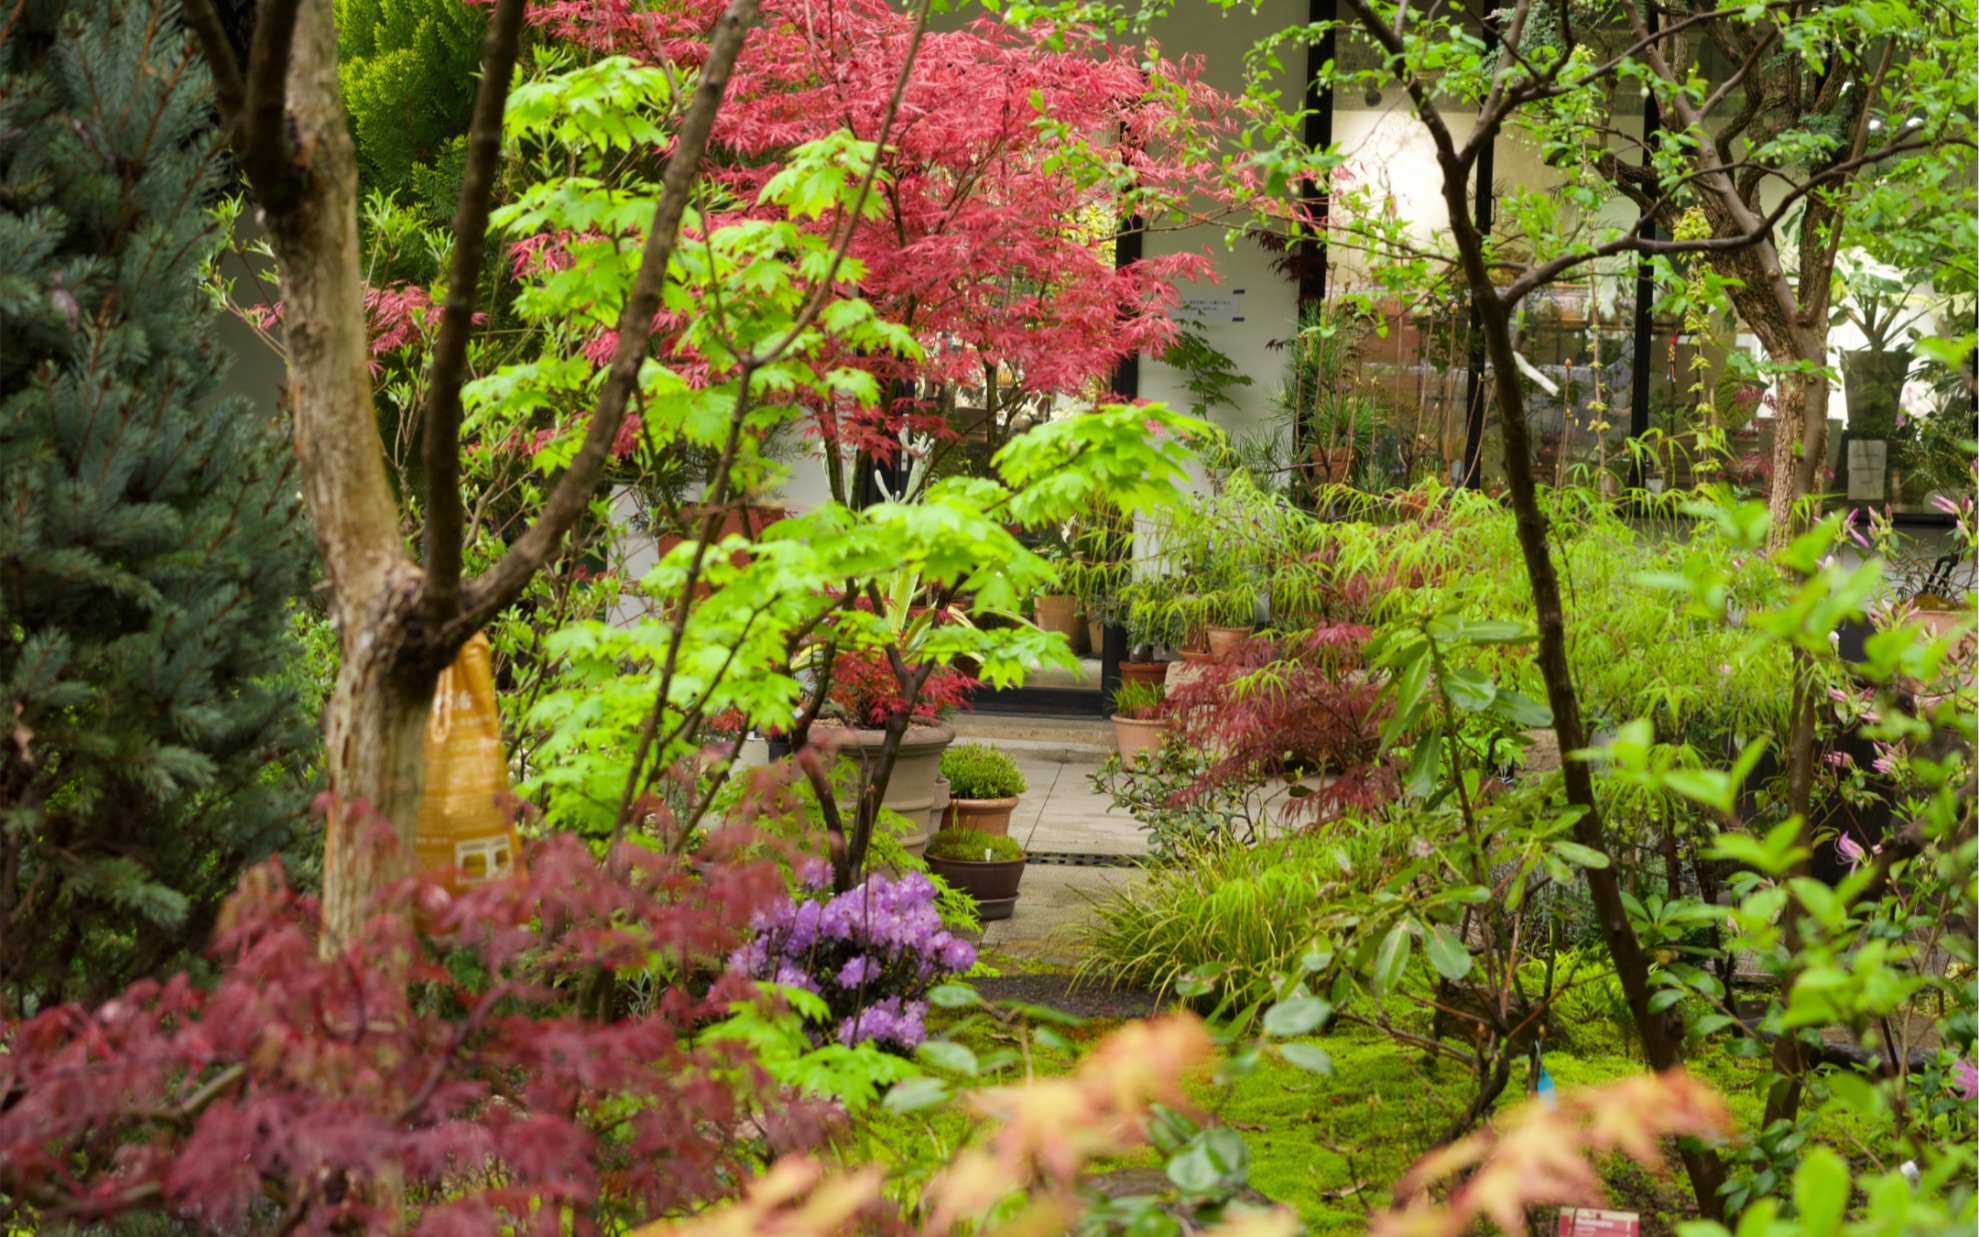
(433, 1068)
(1302, 708)
(1009, 167)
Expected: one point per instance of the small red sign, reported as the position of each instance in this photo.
(1585, 1222)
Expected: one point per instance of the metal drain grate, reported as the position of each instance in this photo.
(1066, 859)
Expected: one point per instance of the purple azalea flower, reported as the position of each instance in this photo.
(871, 953)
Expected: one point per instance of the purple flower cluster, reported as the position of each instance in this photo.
(870, 952)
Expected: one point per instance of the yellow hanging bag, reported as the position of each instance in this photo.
(467, 817)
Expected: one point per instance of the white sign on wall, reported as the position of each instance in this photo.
(1216, 306)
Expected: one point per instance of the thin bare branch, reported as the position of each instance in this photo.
(229, 93)
(443, 406)
(500, 584)
(261, 136)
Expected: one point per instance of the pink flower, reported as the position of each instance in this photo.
(1965, 1079)
(1836, 759)
(1944, 504)
(1850, 850)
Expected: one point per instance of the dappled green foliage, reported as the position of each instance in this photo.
(407, 69)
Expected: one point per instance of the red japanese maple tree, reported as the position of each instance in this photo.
(330, 1095)
(1012, 162)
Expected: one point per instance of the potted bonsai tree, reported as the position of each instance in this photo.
(983, 788)
(986, 866)
(1140, 724)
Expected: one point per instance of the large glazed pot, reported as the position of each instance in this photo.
(911, 789)
(993, 885)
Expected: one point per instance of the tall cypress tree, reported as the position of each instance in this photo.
(150, 535)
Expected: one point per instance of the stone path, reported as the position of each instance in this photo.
(1061, 815)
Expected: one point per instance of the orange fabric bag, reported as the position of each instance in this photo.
(466, 818)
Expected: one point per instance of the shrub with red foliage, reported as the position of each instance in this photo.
(1293, 707)
(867, 692)
(431, 1072)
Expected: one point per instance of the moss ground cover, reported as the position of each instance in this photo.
(1332, 1146)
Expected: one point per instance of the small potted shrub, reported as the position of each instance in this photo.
(983, 785)
(986, 866)
(1139, 724)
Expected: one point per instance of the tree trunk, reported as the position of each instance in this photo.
(374, 727)
(1662, 1049)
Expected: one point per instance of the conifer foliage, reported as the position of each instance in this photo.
(150, 538)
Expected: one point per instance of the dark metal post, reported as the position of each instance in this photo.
(1645, 294)
(1128, 248)
(1318, 136)
(1474, 388)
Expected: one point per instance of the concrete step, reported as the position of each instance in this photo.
(1062, 739)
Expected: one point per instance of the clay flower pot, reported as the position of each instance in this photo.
(1138, 736)
(1059, 612)
(911, 789)
(1095, 636)
(1224, 641)
(993, 885)
(1154, 672)
(1197, 657)
(982, 815)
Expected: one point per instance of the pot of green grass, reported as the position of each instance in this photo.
(1139, 725)
(986, 866)
(983, 787)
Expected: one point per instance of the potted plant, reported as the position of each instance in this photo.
(1882, 304)
(983, 786)
(986, 866)
(1139, 723)
(863, 695)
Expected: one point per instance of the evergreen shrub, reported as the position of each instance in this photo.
(150, 537)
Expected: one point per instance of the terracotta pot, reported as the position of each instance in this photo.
(1095, 636)
(1059, 612)
(993, 885)
(1197, 657)
(911, 789)
(982, 815)
(1155, 672)
(745, 521)
(1224, 641)
(1137, 736)
(1330, 466)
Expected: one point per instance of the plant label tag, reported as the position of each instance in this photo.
(1586, 1222)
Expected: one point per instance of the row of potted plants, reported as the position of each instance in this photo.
(973, 849)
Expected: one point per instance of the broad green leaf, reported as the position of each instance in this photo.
(1391, 960)
(1296, 1016)
(956, 1058)
(1580, 856)
(1446, 953)
(1307, 1057)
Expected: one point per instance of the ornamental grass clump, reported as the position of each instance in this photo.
(975, 771)
(871, 953)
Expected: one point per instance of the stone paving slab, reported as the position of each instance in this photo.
(1051, 905)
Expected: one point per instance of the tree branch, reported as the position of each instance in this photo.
(229, 94)
(443, 408)
(261, 136)
(500, 584)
